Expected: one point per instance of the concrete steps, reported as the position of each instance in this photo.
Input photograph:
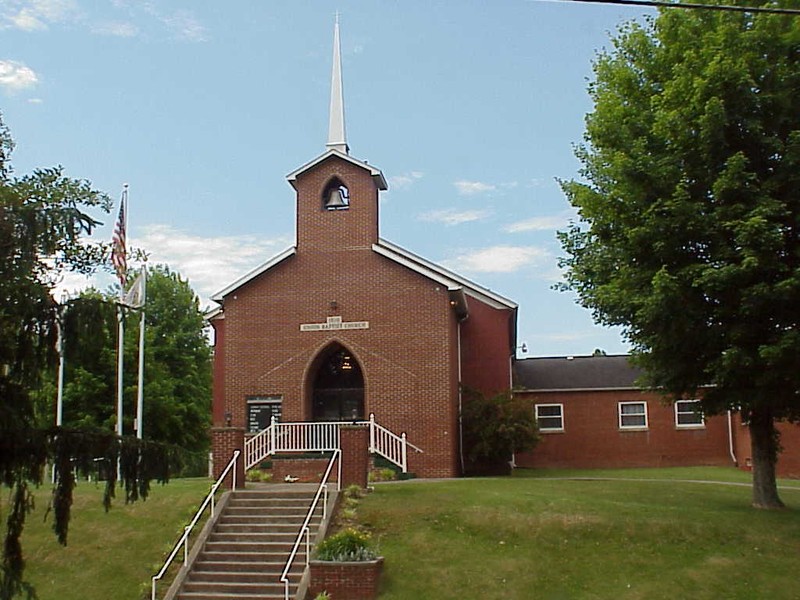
(246, 552)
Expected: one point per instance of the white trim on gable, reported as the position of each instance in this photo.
(380, 181)
(264, 267)
(444, 276)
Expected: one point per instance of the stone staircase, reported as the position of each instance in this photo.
(246, 551)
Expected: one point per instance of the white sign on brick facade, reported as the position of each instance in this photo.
(334, 323)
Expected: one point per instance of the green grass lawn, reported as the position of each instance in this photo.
(110, 555)
(537, 534)
(534, 536)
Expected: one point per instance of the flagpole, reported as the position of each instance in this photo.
(60, 383)
(121, 267)
(140, 387)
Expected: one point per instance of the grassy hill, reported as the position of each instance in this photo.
(642, 534)
(110, 554)
(530, 537)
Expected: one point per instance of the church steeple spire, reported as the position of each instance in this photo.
(336, 135)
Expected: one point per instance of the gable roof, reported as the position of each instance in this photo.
(454, 283)
(443, 276)
(576, 373)
(262, 268)
(377, 176)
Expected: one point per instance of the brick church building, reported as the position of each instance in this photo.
(345, 326)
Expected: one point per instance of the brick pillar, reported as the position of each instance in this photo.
(224, 441)
(354, 442)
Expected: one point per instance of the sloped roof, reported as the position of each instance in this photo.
(576, 373)
(437, 273)
(262, 268)
(376, 174)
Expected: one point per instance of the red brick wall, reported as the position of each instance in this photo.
(788, 460)
(486, 348)
(218, 383)
(224, 441)
(593, 439)
(354, 442)
(345, 581)
(407, 356)
(306, 470)
(325, 230)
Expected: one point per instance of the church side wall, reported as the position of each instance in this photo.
(486, 348)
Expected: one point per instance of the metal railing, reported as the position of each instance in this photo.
(391, 446)
(304, 528)
(183, 542)
(323, 436)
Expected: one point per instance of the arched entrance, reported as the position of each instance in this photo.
(338, 386)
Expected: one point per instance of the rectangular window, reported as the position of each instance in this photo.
(550, 417)
(633, 415)
(260, 410)
(688, 414)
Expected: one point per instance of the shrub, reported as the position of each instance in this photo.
(352, 491)
(494, 428)
(348, 545)
(322, 596)
(384, 474)
(256, 474)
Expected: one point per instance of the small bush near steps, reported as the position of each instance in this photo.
(348, 545)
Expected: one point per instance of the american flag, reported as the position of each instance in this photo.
(118, 252)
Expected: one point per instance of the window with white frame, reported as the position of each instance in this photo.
(633, 415)
(688, 414)
(550, 417)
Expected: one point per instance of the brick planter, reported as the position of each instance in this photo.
(346, 580)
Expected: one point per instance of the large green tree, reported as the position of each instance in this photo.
(689, 231)
(44, 218)
(177, 375)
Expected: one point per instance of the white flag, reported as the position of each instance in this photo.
(134, 298)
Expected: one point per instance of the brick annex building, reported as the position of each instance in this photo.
(345, 325)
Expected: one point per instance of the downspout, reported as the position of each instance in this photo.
(730, 440)
(511, 388)
(460, 420)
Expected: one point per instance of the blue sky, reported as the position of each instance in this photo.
(470, 109)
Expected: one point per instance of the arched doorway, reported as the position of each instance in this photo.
(338, 386)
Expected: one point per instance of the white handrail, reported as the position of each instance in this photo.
(184, 539)
(304, 529)
(316, 436)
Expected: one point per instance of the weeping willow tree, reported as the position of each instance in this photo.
(44, 218)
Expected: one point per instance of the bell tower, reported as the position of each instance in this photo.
(337, 195)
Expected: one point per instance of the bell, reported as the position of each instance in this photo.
(336, 200)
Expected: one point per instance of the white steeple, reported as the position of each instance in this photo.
(336, 136)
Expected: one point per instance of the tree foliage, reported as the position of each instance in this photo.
(177, 375)
(690, 212)
(493, 429)
(44, 217)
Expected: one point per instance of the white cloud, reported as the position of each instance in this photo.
(549, 223)
(35, 100)
(405, 180)
(116, 29)
(15, 76)
(470, 188)
(453, 216)
(33, 15)
(498, 259)
(209, 263)
(182, 23)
